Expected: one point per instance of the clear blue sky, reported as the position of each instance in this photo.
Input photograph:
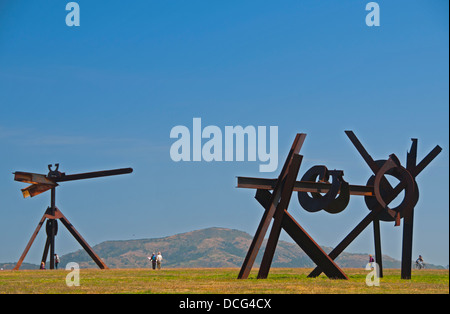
(107, 93)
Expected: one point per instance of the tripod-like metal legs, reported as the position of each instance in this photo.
(53, 215)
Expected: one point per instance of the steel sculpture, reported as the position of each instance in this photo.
(41, 183)
(333, 197)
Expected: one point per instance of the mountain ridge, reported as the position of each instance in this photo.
(213, 247)
(210, 247)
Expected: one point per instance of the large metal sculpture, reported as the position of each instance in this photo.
(41, 183)
(378, 194)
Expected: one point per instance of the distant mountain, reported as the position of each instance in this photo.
(5, 266)
(212, 247)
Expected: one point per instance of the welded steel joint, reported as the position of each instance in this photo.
(328, 202)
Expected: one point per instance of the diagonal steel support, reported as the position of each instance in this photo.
(54, 214)
(304, 240)
(268, 214)
(276, 205)
(393, 193)
(82, 241)
(27, 248)
(282, 206)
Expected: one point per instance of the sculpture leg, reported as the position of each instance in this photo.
(407, 246)
(257, 240)
(408, 219)
(304, 241)
(52, 231)
(282, 206)
(349, 238)
(377, 238)
(46, 247)
(80, 240)
(27, 248)
(268, 214)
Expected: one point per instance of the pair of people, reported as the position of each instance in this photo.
(56, 262)
(156, 260)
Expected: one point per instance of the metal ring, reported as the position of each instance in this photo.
(317, 201)
(382, 189)
(340, 203)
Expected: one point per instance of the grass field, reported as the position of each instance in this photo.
(218, 281)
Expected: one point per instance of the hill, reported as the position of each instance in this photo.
(211, 247)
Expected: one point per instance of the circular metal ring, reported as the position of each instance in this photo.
(382, 190)
(317, 201)
(340, 203)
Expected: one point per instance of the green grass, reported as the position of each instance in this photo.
(218, 281)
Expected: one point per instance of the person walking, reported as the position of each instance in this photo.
(56, 261)
(159, 260)
(371, 260)
(153, 260)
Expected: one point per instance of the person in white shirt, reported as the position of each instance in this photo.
(158, 260)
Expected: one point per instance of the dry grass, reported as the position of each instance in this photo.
(218, 281)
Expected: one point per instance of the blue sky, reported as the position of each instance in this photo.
(107, 93)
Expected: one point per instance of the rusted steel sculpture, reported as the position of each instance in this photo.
(41, 183)
(378, 194)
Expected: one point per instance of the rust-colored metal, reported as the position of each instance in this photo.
(41, 183)
(301, 186)
(304, 240)
(268, 214)
(378, 212)
(278, 216)
(276, 204)
(334, 197)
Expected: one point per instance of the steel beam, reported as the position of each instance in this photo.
(268, 214)
(95, 174)
(82, 241)
(278, 216)
(304, 240)
(301, 186)
(41, 183)
(27, 248)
